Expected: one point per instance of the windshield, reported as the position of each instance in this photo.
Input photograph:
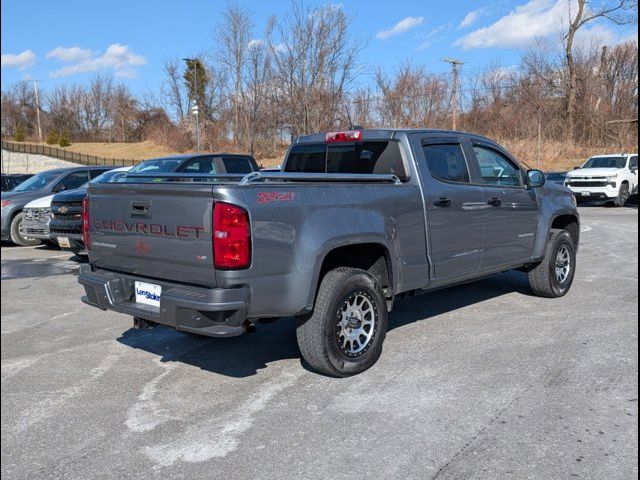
(110, 176)
(162, 165)
(606, 162)
(41, 180)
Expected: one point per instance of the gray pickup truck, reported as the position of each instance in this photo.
(355, 220)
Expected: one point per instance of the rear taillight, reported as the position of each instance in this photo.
(231, 237)
(348, 136)
(86, 234)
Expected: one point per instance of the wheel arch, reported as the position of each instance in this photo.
(570, 223)
(371, 256)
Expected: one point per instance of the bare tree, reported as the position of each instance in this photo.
(314, 62)
(173, 90)
(258, 83)
(233, 36)
(620, 12)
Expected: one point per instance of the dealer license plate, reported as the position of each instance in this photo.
(148, 293)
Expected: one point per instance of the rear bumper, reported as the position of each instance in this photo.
(215, 312)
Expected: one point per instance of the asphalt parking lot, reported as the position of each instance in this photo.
(480, 381)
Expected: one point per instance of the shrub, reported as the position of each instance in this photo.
(63, 140)
(52, 137)
(19, 136)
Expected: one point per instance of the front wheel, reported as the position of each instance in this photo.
(18, 234)
(623, 195)
(553, 277)
(344, 334)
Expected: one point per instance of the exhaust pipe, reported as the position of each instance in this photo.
(142, 324)
(250, 328)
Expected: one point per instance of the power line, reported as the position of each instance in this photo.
(35, 89)
(455, 64)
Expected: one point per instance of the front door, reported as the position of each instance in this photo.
(512, 208)
(455, 209)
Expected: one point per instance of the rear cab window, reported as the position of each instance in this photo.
(369, 157)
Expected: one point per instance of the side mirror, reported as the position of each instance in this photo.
(576, 168)
(535, 178)
(58, 188)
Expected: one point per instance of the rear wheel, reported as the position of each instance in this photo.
(18, 234)
(553, 277)
(623, 195)
(344, 334)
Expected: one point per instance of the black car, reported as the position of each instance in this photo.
(9, 181)
(556, 177)
(206, 163)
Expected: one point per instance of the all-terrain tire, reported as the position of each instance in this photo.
(318, 334)
(16, 234)
(549, 279)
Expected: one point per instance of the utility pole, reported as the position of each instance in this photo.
(195, 109)
(454, 89)
(35, 89)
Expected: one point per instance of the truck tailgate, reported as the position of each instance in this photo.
(156, 231)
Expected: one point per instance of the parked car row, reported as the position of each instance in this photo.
(48, 206)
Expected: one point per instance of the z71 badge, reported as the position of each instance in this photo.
(268, 197)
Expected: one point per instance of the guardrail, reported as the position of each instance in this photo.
(62, 154)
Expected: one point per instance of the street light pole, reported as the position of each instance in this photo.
(196, 109)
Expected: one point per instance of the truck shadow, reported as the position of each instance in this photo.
(244, 356)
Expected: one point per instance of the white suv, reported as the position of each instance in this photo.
(612, 178)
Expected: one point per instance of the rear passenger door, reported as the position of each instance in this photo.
(455, 209)
(512, 208)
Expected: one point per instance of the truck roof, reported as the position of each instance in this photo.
(185, 156)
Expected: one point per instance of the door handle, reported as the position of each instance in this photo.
(495, 202)
(141, 209)
(442, 202)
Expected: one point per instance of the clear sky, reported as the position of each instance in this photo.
(71, 40)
